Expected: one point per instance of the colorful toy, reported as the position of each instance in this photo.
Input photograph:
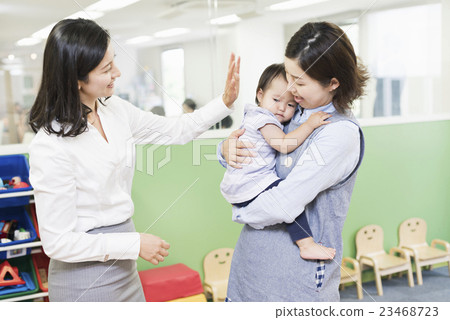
(14, 183)
(6, 226)
(21, 234)
(6, 268)
(17, 183)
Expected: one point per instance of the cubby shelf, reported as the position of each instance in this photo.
(36, 245)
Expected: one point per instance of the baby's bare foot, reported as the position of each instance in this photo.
(310, 250)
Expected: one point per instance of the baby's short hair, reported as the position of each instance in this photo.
(271, 72)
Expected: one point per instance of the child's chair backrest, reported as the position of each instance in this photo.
(412, 231)
(217, 264)
(369, 239)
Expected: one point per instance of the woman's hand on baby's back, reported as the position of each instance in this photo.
(235, 151)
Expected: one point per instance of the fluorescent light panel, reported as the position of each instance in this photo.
(232, 18)
(91, 15)
(28, 42)
(109, 5)
(94, 11)
(293, 4)
(138, 40)
(171, 32)
(44, 32)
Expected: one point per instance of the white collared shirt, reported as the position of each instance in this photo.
(84, 182)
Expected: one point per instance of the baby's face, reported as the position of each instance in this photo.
(278, 100)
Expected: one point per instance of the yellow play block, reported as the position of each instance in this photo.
(195, 298)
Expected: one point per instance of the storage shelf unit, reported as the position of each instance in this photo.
(36, 245)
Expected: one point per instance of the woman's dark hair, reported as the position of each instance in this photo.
(324, 52)
(73, 49)
(271, 72)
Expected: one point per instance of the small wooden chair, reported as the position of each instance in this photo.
(370, 252)
(216, 266)
(412, 237)
(352, 274)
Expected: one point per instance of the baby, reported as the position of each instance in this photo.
(264, 128)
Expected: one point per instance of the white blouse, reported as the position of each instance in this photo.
(84, 182)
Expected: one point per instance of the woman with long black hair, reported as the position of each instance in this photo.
(81, 165)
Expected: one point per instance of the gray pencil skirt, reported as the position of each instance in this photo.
(115, 280)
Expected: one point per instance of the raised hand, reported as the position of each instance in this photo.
(231, 91)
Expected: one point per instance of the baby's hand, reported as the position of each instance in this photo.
(318, 119)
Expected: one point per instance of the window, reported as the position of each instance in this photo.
(404, 58)
(172, 66)
(352, 31)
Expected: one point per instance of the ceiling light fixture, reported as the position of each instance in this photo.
(138, 40)
(171, 32)
(232, 18)
(44, 32)
(91, 15)
(92, 12)
(292, 4)
(28, 42)
(110, 5)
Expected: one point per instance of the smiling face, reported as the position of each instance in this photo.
(369, 239)
(277, 100)
(308, 92)
(412, 231)
(222, 257)
(100, 82)
(370, 233)
(217, 264)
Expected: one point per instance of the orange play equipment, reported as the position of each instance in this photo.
(5, 269)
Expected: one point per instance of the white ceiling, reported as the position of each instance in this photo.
(21, 18)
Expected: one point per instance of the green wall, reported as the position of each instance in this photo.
(404, 174)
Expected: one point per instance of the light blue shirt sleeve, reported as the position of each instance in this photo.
(220, 156)
(331, 158)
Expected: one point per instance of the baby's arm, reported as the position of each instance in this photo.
(286, 143)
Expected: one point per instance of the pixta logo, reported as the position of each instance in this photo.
(149, 157)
